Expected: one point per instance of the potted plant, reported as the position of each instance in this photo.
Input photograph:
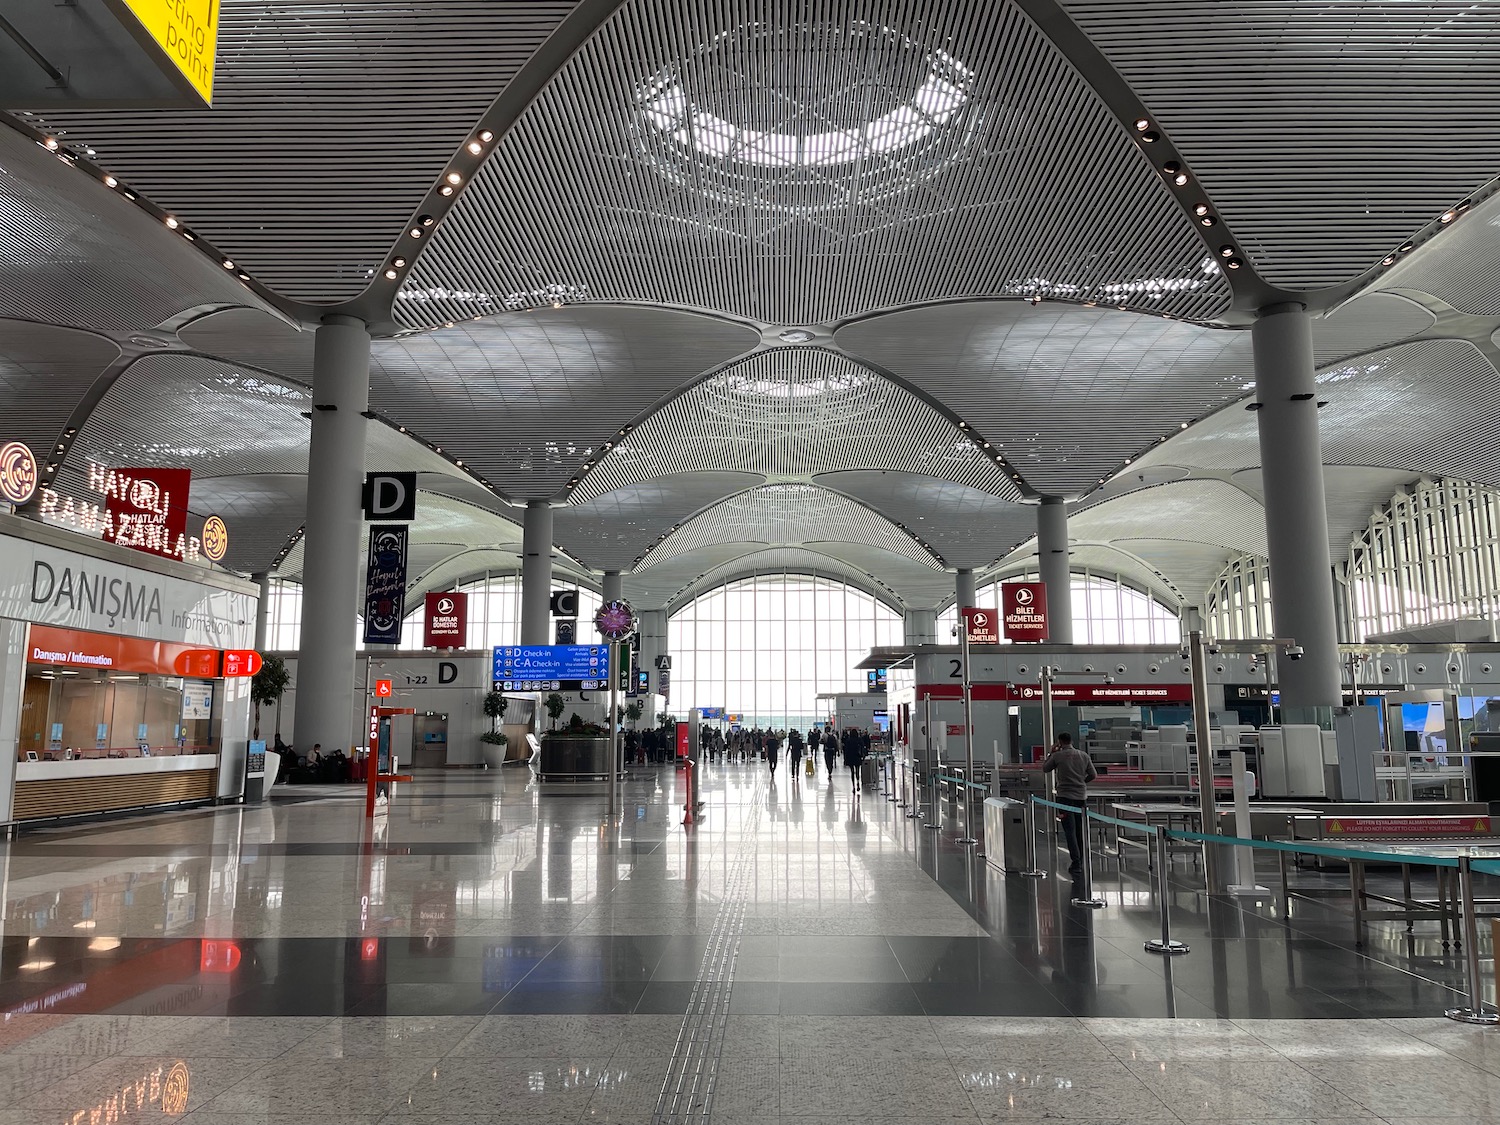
(268, 685)
(555, 705)
(494, 739)
(635, 711)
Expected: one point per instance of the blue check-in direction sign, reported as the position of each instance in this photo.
(552, 667)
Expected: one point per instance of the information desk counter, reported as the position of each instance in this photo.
(87, 785)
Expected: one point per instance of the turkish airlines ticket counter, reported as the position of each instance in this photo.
(110, 693)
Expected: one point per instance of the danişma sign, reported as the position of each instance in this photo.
(552, 667)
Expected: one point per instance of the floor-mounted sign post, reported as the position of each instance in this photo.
(969, 838)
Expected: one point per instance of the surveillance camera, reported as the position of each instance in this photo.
(1022, 669)
(1120, 669)
(1109, 679)
(1294, 652)
(1213, 650)
(1153, 669)
(1421, 668)
(1182, 653)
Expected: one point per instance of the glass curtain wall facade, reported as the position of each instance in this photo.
(1106, 611)
(764, 647)
(1239, 601)
(494, 614)
(1433, 554)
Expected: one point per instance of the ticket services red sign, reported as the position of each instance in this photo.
(1024, 606)
(982, 625)
(447, 620)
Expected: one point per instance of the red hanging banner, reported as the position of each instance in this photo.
(1024, 605)
(447, 620)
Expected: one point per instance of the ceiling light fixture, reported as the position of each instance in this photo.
(425, 220)
(445, 190)
(171, 222)
(50, 144)
(110, 181)
(1142, 124)
(227, 263)
(1235, 263)
(1447, 216)
(486, 136)
(399, 262)
(475, 147)
(1226, 251)
(415, 232)
(390, 275)
(455, 179)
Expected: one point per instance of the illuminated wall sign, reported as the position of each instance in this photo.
(148, 508)
(18, 473)
(186, 32)
(144, 509)
(215, 538)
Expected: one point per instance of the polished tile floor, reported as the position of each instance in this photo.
(494, 950)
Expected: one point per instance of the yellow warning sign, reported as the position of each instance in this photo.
(188, 31)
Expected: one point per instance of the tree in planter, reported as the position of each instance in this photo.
(494, 706)
(555, 705)
(635, 711)
(268, 685)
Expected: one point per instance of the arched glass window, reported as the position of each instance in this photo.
(766, 646)
(1239, 601)
(494, 614)
(1433, 554)
(1106, 611)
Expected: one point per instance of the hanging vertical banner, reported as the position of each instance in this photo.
(447, 620)
(385, 585)
(1025, 607)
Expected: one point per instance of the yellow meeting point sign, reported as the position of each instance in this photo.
(187, 31)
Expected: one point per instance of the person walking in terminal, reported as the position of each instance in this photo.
(1074, 770)
(830, 751)
(773, 751)
(854, 755)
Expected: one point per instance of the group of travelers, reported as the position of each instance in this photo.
(314, 767)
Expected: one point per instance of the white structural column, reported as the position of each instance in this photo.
(262, 582)
(613, 587)
(1052, 555)
(1291, 457)
(964, 587)
(536, 574)
(921, 627)
(331, 573)
(653, 628)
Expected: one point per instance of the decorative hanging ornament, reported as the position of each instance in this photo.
(615, 620)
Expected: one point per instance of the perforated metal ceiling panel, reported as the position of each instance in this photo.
(1430, 407)
(1067, 393)
(788, 514)
(1206, 511)
(1098, 559)
(801, 161)
(253, 338)
(527, 399)
(1326, 133)
(195, 413)
(1371, 320)
(261, 512)
(611, 531)
(1351, 492)
(76, 253)
(1460, 267)
(44, 373)
(968, 527)
(788, 414)
(916, 585)
(330, 123)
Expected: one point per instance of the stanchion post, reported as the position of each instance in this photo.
(1032, 870)
(1086, 843)
(1475, 1012)
(1164, 944)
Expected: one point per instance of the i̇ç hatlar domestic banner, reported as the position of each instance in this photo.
(385, 585)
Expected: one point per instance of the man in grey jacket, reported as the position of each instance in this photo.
(1074, 770)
